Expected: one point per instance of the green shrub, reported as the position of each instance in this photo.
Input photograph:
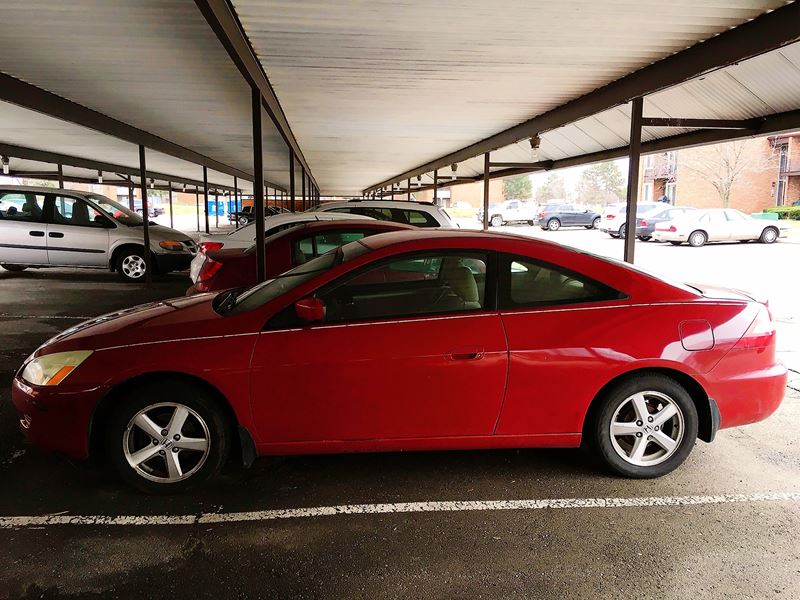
(785, 212)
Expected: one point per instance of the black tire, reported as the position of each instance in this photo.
(596, 223)
(496, 221)
(622, 230)
(675, 243)
(14, 268)
(770, 235)
(613, 235)
(130, 265)
(698, 238)
(531, 223)
(643, 238)
(599, 430)
(553, 224)
(243, 221)
(196, 398)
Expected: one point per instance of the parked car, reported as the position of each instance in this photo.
(613, 220)
(245, 236)
(510, 211)
(556, 216)
(718, 225)
(419, 214)
(646, 222)
(247, 214)
(152, 209)
(409, 340)
(47, 227)
(218, 270)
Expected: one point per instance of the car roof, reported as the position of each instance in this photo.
(41, 189)
(406, 204)
(337, 224)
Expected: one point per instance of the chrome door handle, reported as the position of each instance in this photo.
(36, 233)
(55, 234)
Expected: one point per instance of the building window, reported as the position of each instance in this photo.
(649, 161)
(669, 192)
(647, 194)
(672, 161)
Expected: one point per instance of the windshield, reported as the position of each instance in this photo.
(272, 288)
(120, 212)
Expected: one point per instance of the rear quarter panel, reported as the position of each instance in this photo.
(560, 358)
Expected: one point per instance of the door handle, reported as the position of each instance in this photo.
(36, 233)
(470, 354)
(55, 234)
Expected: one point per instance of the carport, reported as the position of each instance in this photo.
(292, 102)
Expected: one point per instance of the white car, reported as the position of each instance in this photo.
(245, 236)
(511, 211)
(410, 212)
(613, 219)
(718, 225)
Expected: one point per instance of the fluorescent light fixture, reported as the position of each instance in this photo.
(453, 169)
(6, 167)
(99, 177)
(535, 142)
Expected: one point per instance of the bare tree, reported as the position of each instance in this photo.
(722, 165)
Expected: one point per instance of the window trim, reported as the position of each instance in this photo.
(42, 220)
(51, 214)
(489, 299)
(506, 304)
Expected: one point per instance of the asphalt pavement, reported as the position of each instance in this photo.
(491, 524)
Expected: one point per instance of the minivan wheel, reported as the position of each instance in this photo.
(645, 426)
(166, 437)
(496, 221)
(554, 224)
(14, 268)
(131, 265)
(769, 235)
(698, 238)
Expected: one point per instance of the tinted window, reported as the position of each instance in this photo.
(316, 245)
(119, 211)
(421, 284)
(525, 282)
(21, 206)
(73, 211)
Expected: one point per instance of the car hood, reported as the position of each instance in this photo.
(155, 322)
(159, 233)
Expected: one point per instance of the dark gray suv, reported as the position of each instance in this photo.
(556, 216)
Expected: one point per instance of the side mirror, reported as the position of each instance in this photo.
(310, 310)
(104, 221)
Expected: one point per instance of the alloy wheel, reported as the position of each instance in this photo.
(133, 266)
(647, 428)
(166, 442)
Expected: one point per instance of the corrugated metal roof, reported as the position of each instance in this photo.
(375, 88)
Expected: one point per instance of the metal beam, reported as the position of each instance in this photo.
(148, 258)
(634, 155)
(762, 34)
(533, 166)
(291, 179)
(222, 19)
(486, 175)
(701, 123)
(34, 98)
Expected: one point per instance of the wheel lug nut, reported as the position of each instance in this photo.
(175, 449)
(649, 438)
(176, 437)
(639, 434)
(155, 442)
(161, 452)
(164, 432)
(638, 423)
(656, 427)
(649, 419)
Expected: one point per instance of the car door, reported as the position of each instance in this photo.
(77, 234)
(568, 215)
(22, 228)
(716, 225)
(411, 347)
(741, 226)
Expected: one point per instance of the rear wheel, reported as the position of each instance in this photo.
(554, 224)
(645, 426)
(675, 243)
(14, 268)
(167, 436)
(698, 238)
(643, 238)
(596, 223)
(769, 235)
(243, 221)
(496, 221)
(622, 229)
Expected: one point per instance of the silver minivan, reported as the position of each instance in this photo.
(49, 227)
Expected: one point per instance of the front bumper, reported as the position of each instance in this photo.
(56, 419)
(174, 261)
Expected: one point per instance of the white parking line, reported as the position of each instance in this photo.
(398, 507)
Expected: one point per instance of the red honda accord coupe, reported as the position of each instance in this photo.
(411, 340)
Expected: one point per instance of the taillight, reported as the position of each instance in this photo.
(541, 215)
(208, 270)
(643, 223)
(610, 216)
(207, 246)
(672, 229)
(761, 332)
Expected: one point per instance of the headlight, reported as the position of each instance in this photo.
(173, 245)
(52, 369)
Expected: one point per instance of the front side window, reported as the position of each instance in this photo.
(120, 212)
(526, 282)
(73, 211)
(735, 215)
(21, 206)
(414, 285)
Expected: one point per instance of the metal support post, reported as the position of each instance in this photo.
(171, 220)
(635, 147)
(291, 179)
(486, 191)
(148, 262)
(205, 195)
(258, 188)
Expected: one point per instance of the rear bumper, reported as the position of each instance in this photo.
(645, 230)
(56, 421)
(668, 236)
(745, 396)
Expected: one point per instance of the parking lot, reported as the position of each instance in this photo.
(500, 524)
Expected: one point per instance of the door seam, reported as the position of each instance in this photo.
(508, 370)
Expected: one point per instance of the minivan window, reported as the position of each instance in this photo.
(21, 206)
(120, 212)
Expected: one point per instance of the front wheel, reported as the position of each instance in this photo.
(243, 221)
(496, 221)
(643, 238)
(168, 436)
(131, 265)
(596, 223)
(769, 235)
(645, 426)
(554, 224)
(14, 268)
(675, 243)
(622, 230)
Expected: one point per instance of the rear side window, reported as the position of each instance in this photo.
(525, 283)
(73, 211)
(317, 245)
(26, 207)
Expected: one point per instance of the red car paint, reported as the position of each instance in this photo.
(485, 379)
(233, 268)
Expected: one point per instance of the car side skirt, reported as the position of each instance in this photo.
(541, 440)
